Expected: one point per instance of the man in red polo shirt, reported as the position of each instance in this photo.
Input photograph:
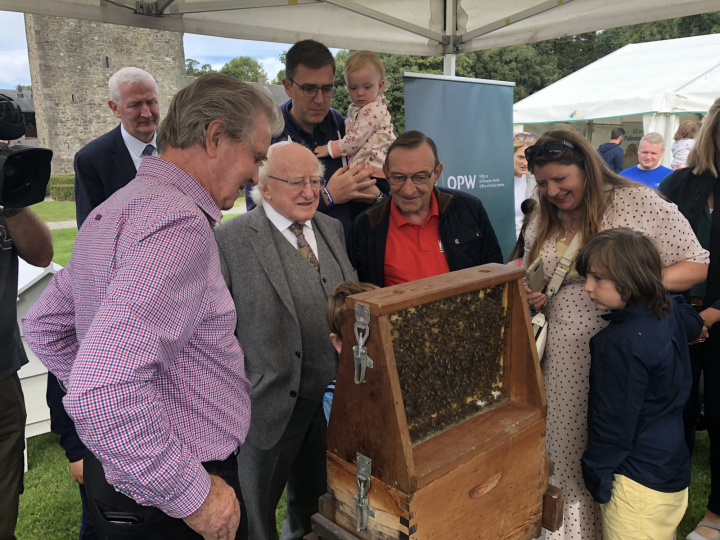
(421, 230)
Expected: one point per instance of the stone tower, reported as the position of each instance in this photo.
(71, 62)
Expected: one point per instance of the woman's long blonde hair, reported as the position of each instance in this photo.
(704, 156)
(597, 176)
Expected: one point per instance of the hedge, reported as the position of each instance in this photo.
(62, 192)
(59, 179)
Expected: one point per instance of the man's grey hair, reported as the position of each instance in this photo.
(654, 138)
(127, 75)
(266, 168)
(216, 97)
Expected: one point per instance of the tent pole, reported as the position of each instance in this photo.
(449, 65)
(450, 29)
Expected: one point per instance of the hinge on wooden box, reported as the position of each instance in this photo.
(362, 360)
(362, 503)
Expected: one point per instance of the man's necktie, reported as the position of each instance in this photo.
(303, 246)
(148, 150)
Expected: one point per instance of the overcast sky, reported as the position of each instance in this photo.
(14, 68)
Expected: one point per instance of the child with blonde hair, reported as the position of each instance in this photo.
(684, 142)
(368, 126)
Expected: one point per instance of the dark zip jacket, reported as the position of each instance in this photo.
(690, 192)
(465, 231)
(613, 156)
(640, 380)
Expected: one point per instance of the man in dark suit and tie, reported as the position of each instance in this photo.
(281, 262)
(109, 162)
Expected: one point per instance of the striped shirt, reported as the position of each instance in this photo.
(140, 328)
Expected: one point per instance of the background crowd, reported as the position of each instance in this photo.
(190, 360)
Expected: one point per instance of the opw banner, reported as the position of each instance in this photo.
(470, 120)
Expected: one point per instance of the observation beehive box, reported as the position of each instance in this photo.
(441, 433)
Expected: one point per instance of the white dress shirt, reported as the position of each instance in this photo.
(283, 225)
(136, 146)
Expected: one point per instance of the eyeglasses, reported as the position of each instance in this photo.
(418, 179)
(310, 91)
(316, 182)
(525, 136)
(549, 150)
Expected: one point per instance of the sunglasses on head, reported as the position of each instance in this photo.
(525, 136)
(549, 150)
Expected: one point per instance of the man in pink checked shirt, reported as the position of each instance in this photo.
(140, 326)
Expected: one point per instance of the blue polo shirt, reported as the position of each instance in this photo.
(640, 380)
(649, 178)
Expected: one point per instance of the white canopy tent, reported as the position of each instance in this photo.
(657, 84)
(422, 27)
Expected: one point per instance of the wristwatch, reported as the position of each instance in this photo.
(379, 198)
(10, 212)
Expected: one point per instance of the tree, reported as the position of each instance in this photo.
(243, 68)
(531, 68)
(571, 53)
(26, 87)
(612, 39)
(192, 70)
(281, 74)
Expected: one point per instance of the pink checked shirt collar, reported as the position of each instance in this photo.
(171, 173)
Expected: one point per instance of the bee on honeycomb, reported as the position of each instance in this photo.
(449, 357)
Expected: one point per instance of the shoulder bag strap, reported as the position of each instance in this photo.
(563, 267)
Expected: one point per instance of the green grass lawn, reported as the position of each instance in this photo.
(63, 240)
(699, 486)
(50, 211)
(50, 507)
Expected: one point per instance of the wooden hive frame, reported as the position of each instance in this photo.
(483, 478)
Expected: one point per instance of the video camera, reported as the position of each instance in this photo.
(24, 170)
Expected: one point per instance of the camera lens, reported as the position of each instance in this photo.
(24, 175)
(18, 174)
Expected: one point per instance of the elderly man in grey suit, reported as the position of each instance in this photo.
(281, 262)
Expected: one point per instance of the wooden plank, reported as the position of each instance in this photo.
(422, 291)
(345, 518)
(326, 506)
(533, 533)
(552, 512)
(313, 536)
(448, 508)
(370, 418)
(327, 530)
(385, 499)
(525, 376)
(382, 520)
(459, 444)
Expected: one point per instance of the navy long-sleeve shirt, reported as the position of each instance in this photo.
(61, 424)
(331, 128)
(640, 380)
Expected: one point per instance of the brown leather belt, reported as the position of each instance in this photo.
(698, 302)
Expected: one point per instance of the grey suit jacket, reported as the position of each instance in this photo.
(267, 325)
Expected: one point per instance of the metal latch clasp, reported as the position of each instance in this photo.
(362, 331)
(362, 503)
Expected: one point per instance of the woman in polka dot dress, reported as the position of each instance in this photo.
(580, 195)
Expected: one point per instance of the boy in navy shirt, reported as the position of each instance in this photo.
(637, 464)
